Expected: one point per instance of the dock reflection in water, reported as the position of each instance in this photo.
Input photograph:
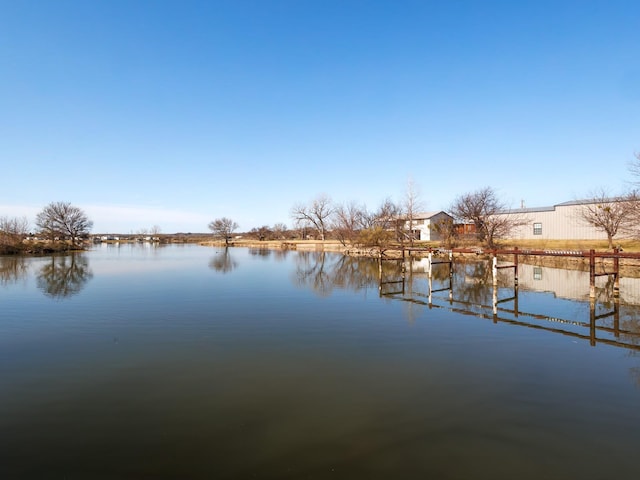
(471, 290)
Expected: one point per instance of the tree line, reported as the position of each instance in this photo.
(353, 224)
(59, 226)
(63, 226)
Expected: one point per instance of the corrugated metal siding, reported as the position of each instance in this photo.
(561, 223)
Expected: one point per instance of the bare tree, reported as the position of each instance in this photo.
(483, 209)
(612, 215)
(61, 219)
(280, 231)
(447, 230)
(12, 233)
(411, 207)
(348, 220)
(223, 227)
(316, 214)
(262, 233)
(382, 226)
(634, 169)
(385, 217)
(375, 237)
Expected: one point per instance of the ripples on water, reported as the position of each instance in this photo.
(191, 362)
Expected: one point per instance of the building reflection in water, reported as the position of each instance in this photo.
(558, 299)
(471, 290)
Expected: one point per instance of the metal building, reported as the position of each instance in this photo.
(559, 222)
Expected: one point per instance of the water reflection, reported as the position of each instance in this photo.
(473, 290)
(250, 377)
(223, 262)
(469, 288)
(269, 253)
(311, 272)
(261, 252)
(323, 272)
(13, 269)
(64, 276)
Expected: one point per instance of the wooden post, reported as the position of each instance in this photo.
(380, 274)
(430, 263)
(592, 274)
(515, 267)
(495, 303)
(616, 274)
(495, 269)
(451, 277)
(592, 321)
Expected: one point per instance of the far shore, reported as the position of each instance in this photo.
(628, 268)
(336, 246)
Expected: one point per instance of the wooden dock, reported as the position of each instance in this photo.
(592, 255)
(399, 285)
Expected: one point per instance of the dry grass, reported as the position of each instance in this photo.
(329, 245)
(334, 245)
(599, 245)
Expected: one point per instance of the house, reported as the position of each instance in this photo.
(423, 225)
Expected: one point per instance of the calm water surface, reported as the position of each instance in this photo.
(192, 362)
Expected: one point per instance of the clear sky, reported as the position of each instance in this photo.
(174, 113)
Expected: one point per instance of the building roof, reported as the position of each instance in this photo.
(529, 210)
(587, 201)
(428, 215)
(564, 204)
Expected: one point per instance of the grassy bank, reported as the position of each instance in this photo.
(334, 245)
(38, 248)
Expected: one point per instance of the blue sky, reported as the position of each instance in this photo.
(174, 113)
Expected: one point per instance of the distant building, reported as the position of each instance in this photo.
(465, 229)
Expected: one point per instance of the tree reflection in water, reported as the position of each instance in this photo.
(260, 252)
(64, 276)
(223, 262)
(324, 272)
(310, 272)
(471, 281)
(278, 254)
(13, 269)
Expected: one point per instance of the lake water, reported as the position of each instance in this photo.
(145, 362)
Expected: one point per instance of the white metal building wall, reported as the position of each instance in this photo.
(561, 222)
